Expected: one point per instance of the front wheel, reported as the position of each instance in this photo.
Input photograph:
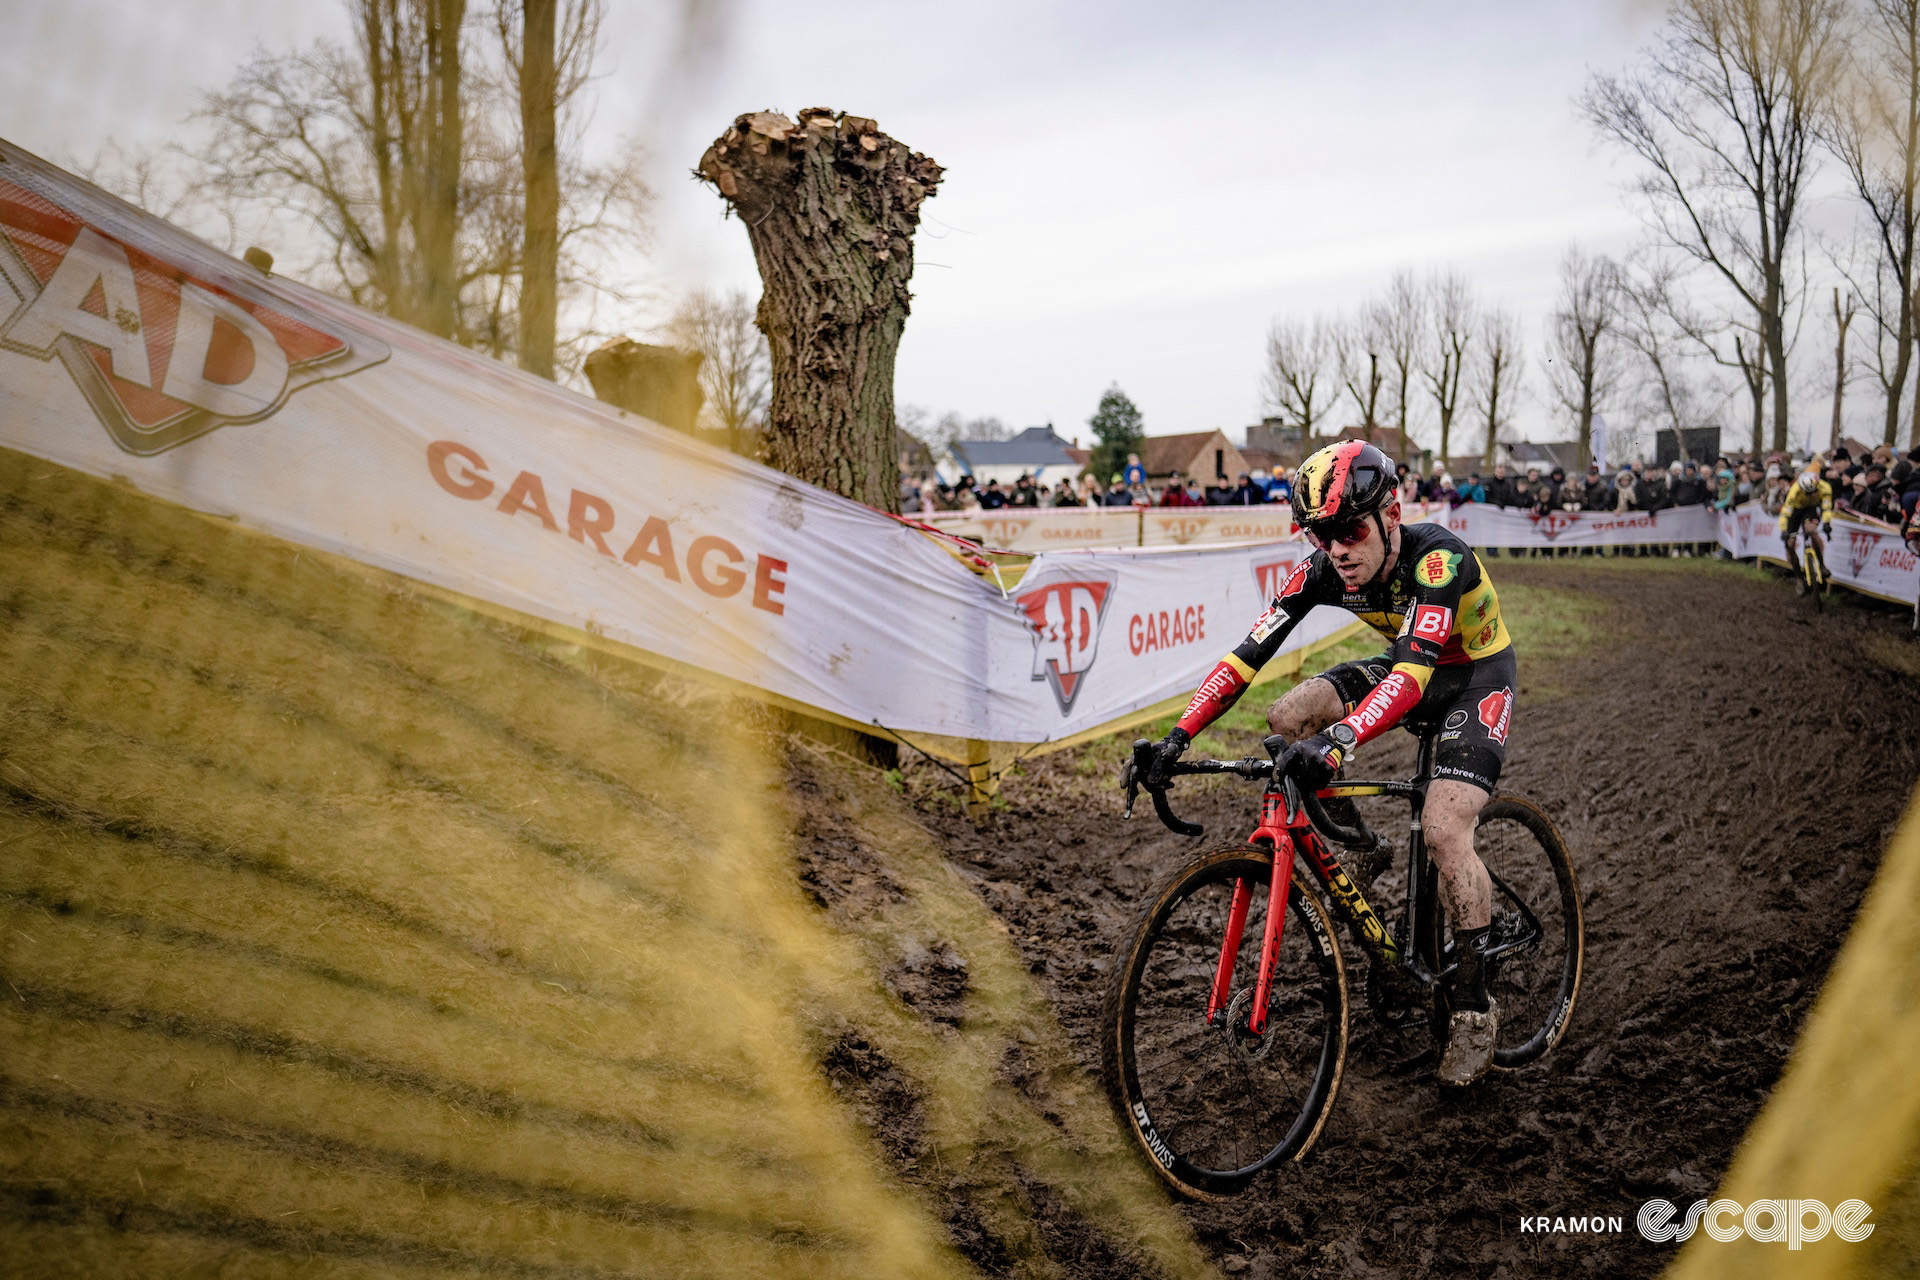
(1538, 940)
(1210, 1104)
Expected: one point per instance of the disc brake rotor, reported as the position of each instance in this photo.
(1249, 1046)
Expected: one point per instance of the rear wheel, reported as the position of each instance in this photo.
(1211, 1106)
(1537, 942)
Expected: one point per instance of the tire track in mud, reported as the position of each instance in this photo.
(1726, 767)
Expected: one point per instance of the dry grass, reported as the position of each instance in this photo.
(345, 933)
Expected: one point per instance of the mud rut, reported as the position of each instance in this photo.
(1726, 813)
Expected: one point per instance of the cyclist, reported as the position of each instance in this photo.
(1428, 594)
(1809, 496)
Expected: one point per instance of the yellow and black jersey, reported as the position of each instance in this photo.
(1798, 506)
(1436, 605)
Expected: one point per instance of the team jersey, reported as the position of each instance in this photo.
(1799, 499)
(1436, 606)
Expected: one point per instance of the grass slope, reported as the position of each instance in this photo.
(345, 933)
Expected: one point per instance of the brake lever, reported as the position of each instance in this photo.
(1130, 777)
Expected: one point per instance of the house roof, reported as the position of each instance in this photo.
(1564, 454)
(1161, 455)
(1034, 447)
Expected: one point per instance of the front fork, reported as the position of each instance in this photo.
(1279, 812)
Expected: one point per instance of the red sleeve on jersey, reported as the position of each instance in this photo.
(1380, 710)
(1219, 691)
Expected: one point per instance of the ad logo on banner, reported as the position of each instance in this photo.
(1269, 575)
(161, 356)
(1065, 619)
(1860, 545)
(1553, 523)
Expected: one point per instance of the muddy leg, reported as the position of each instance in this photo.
(1305, 709)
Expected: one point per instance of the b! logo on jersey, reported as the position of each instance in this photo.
(162, 356)
(1432, 622)
(1065, 620)
(1436, 568)
(1496, 713)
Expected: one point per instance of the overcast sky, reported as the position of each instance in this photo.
(1132, 192)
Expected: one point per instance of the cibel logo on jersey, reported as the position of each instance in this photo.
(1064, 617)
(162, 353)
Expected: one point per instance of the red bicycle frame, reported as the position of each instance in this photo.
(1285, 832)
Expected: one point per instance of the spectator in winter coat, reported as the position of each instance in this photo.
(992, 499)
(1118, 495)
(1598, 495)
(1175, 494)
(1650, 494)
(1247, 493)
(1499, 489)
(1626, 492)
(1555, 491)
(1066, 495)
(1444, 490)
(1024, 494)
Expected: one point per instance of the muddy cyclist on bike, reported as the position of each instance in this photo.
(1809, 502)
(1451, 657)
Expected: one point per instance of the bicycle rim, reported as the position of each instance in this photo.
(1536, 913)
(1210, 1106)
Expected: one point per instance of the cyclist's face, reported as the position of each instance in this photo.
(1357, 551)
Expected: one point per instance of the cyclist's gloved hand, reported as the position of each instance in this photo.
(1826, 528)
(1166, 754)
(1312, 762)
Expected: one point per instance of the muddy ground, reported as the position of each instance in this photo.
(1726, 804)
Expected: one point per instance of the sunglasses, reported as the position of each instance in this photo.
(1346, 534)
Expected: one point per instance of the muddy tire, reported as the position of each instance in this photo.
(1536, 985)
(1210, 1106)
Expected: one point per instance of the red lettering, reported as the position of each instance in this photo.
(467, 484)
(528, 494)
(1133, 634)
(654, 544)
(1201, 634)
(726, 580)
(587, 518)
(766, 586)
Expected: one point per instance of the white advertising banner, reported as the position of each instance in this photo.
(1481, 525)
(1866, 555)
(129, 349)
(1047, 529)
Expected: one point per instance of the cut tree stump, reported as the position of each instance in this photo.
(830, 204)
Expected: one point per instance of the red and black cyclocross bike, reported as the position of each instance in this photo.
(1223, 1059)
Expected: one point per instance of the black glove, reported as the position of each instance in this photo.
(1312, 762)
(1166, 754)
(1826, 529)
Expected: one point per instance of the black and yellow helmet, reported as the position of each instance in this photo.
(1342, 484)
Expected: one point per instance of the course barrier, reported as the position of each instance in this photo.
(131, 350)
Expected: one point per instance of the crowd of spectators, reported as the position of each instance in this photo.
(1878, 485)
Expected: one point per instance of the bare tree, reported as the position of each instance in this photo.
(734, 374)
(1722, 114)
(1498, 373)
(357, 146)
(549, 48)
(1452, 317)
(1300, 383)
(831, 205)
(1402, 319)
(1842, 318)
(1582, 365)
(1665, 330)
(1874, 129)
(1362, 361)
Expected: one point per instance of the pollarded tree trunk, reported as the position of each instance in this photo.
(831, 205)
